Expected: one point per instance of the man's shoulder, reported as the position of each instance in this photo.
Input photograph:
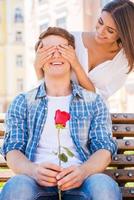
(26, 96)
(88, 95)
(92, 97)
(94, 101)
(31, 94)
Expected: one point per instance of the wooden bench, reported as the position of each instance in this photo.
(122, 166)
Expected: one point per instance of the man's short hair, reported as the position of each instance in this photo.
(59, 32)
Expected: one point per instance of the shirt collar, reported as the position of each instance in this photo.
(76, 90)
(41, 91)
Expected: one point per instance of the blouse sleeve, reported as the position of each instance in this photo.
(110, 76)
(81, 53)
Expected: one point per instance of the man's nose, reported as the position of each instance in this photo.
(56, 53)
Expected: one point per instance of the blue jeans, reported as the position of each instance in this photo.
(95, 187)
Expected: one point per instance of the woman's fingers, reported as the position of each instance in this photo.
(44, 49)
(43, 56)
(67, 52)
(45, 53)
(64, 46)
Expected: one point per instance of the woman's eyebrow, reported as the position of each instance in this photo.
(108, 26)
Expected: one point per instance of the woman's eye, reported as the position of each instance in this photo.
(110, 31)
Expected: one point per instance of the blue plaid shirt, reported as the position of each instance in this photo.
(90, 123)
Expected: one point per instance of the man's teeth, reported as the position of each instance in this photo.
(57, 63)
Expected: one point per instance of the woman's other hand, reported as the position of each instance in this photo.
(43, 54)
(68, 52)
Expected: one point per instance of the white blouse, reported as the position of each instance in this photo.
(108, 76)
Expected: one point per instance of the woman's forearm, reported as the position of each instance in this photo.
(83, 80)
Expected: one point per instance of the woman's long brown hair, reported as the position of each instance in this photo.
(122, 12)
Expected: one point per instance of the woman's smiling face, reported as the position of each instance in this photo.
(106, 30)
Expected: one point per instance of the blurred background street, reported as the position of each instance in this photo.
(21, 22)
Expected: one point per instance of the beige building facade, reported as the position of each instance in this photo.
(2, 53)
(12, 50)
(72, 14)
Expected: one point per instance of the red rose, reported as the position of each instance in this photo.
(61, 117)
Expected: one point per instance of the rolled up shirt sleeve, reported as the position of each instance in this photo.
(100, 132)
(16, 126)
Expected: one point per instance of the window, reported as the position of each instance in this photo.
(43, 27)
(19, 60)
(20, 85)
(18, 36)
(103, 2)
(18, 17)
(43, 1)
(61, 22)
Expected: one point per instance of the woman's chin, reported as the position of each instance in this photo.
(100, 40)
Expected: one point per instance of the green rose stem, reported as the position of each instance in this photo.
(59, 147)
(59, 152)
(61, 117)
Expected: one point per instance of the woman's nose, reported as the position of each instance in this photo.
(101, 30)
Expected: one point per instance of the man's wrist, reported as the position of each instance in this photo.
(32, 170)
(85, 169)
